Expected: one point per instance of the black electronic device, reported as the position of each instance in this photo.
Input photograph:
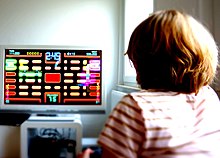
(13, 119)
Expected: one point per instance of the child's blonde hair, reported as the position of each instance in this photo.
(172, 51)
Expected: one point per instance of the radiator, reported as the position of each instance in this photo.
(116, 97)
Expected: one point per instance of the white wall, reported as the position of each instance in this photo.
(77, 23)
(200, 9)
(216, 12)
(216, 24)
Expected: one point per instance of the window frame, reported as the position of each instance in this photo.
(133, 12)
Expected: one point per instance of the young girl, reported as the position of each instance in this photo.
(176, 113)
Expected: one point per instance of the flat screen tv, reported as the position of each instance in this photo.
(51, 79)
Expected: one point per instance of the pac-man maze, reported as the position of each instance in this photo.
(46, 76)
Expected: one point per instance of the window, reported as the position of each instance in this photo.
(134, 13)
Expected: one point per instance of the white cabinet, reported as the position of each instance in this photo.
(56, 136)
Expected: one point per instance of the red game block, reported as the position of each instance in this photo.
(52, 77)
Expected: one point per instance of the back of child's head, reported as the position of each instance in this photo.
(172, 51)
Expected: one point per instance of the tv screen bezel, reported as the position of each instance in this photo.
(48, 109)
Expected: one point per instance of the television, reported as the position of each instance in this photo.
(51, 79)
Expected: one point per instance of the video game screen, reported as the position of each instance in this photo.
(52, 77)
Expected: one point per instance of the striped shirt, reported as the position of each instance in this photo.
(149, 124)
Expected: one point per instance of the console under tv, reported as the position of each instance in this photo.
(43, 136)
(51, 80)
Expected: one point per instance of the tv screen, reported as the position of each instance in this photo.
(52, 79)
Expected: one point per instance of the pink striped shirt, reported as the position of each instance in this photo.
(149, 124)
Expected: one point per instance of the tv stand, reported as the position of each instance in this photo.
(68, 126)
(12, 118)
